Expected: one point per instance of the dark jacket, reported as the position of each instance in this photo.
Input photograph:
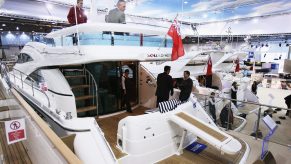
(81, 17)
(164, 85)
(288, 101)
(186, 89)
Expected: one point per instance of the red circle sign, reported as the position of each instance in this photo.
(15, 125)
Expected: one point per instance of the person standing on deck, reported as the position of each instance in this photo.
(185, 87)
(125, 88)
(117, 15)
(234, 92)
(76, 12)
(211, 104)
(164, 85)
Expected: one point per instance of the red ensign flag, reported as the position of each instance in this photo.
(178, 49)
(209, 67)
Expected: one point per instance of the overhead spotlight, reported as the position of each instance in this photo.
(1, 29)
(12, 19)
(49, 6)
(17, 28)
(3, 25)
(280, 44)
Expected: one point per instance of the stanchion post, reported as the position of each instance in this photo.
(258, 122)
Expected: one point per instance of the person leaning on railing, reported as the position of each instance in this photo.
(76, 12)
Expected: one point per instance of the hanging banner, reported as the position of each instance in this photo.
(15, 130)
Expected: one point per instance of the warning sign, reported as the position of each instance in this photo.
(15, 130)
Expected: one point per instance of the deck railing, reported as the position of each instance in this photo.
(229, 101)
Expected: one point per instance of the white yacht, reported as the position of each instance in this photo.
(72, 87)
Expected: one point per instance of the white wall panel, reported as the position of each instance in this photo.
(266, 25)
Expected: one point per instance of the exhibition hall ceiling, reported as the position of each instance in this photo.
(196, 10)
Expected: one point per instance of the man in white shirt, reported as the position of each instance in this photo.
(125, 88)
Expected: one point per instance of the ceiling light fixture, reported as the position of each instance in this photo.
(17, 28)
(255, 20)
(3, 25)
(204, 15)
(49, 6)
(185, 2)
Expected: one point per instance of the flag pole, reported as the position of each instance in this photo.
(165, 38)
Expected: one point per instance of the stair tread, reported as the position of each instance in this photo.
(73, 70)
(86, 109)
(80, 86)
(84, 97)
(72, 65)
(75, 76)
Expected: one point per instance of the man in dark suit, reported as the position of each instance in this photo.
(185, 87)
(164, 85)
(288, 103)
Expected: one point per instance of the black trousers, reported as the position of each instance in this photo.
(125, 102)
(288, 106)
(212, 112)
(75, 39)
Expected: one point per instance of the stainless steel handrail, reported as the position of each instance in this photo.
(96, 89)
(247, 102)
(32, 82)
(254, 103)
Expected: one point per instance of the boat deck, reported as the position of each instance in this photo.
(109, 126)
(207, 156)
(13, 153)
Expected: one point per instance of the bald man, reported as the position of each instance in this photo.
(117, 15)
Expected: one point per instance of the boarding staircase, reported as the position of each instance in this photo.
(84, 87)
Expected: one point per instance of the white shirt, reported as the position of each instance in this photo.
(123, 82)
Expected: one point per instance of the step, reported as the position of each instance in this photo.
(75, 76)
(84, 97)
(79, 86)
(72, 70)
(72, 65)
(86, 109)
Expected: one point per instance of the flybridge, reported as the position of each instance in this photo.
(88, 28)
(112, 34)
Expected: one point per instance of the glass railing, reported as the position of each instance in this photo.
(248, 118)
(117, 39)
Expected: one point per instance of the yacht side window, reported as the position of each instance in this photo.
(35, 77)
(23, 58)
